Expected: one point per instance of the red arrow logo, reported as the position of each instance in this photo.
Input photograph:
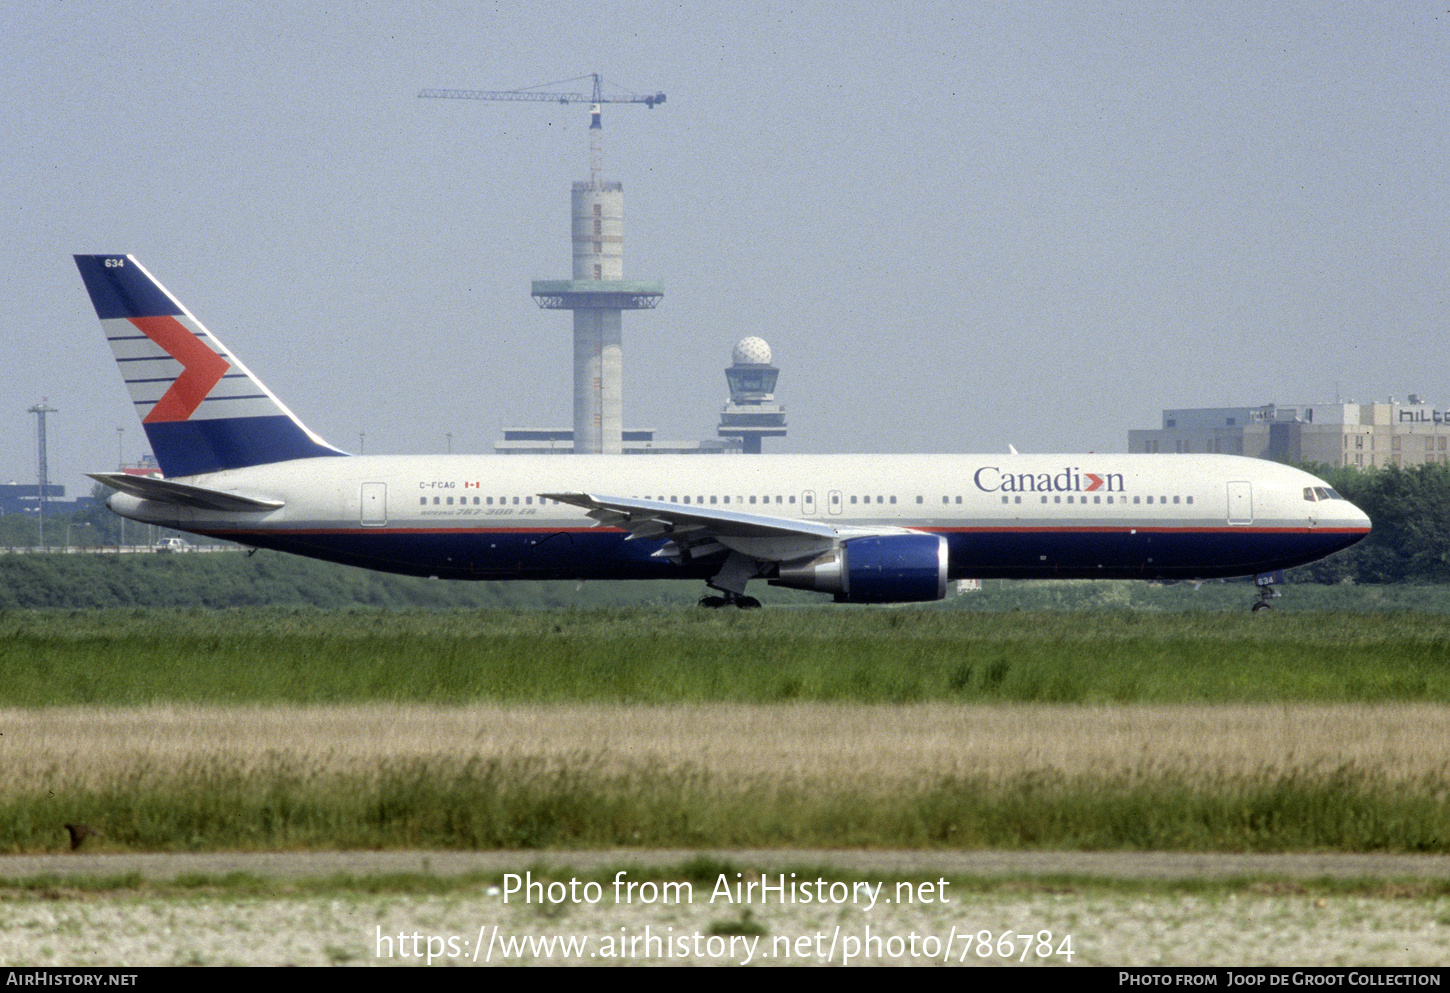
(201, 368)
(1097, 481)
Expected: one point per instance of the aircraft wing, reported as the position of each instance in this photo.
(184, 494)
(695, 532)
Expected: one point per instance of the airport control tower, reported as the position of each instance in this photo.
(598, 294)
(752, 412)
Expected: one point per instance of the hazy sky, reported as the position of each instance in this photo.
(960, 226)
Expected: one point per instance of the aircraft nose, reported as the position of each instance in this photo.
(1361, 519)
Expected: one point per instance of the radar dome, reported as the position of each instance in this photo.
(751, 351)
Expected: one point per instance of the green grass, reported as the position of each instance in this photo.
(583, 802)
(133, 657)
(659, 655)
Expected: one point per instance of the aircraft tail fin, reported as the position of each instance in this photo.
(201, 408)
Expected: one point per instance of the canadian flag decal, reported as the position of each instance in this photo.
(201, 368)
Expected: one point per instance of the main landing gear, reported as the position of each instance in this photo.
(1265, 582)
(735, 572)
(730, 600)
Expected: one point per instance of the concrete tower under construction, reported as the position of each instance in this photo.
(598, 295)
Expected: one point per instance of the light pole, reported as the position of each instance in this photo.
(40, 410)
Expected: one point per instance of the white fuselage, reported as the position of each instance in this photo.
(1086, 515)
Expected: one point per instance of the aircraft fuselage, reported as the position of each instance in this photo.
(1002, 516)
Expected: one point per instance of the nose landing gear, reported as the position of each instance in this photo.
(1265, 582)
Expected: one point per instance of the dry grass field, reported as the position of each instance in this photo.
(791, 742)
(1226, 777)
(66, 757)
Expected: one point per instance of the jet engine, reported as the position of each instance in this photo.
(897, 568)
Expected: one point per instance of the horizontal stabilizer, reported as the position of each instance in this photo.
(183, 494)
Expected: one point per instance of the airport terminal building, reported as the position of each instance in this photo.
(1363, 435)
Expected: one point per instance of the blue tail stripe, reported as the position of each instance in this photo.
(187, 448)
(120, 289)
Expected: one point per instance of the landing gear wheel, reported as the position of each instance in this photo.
(739, 600)
(1266, 593)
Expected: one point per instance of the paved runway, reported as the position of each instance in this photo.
(1107, 865)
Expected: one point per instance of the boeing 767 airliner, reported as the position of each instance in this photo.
(237, 464)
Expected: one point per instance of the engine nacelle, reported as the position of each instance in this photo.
(897, 568)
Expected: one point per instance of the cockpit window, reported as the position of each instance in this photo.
(1309, 494)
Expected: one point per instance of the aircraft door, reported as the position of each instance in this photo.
(374, 504)
(1240, 502)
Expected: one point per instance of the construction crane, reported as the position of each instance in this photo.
(538, 94)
